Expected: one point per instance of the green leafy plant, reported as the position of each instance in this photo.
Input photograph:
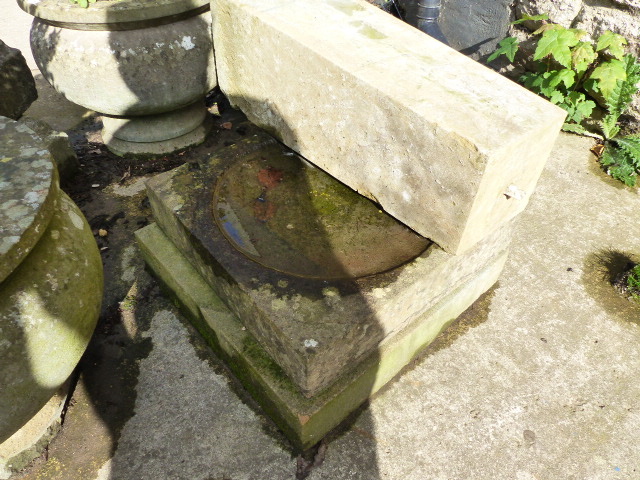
(574, 73)
(633, 282)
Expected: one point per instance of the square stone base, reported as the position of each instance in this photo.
(316, 329)
(304, 420)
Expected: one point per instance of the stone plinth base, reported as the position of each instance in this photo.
(325, 296)
(288, 249)
(304, 420)
(157, 134)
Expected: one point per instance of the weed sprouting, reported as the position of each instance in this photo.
(576, 74)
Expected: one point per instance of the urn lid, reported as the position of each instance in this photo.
(28, 192)
(112, 14)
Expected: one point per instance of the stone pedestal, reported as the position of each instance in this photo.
(50, 280)
(315, 320)
(139, 63)
(314, 295)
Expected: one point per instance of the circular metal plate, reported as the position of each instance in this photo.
(290, 216)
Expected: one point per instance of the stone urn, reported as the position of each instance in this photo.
(51, 288)
(145, 65)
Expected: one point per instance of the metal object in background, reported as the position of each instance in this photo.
(427, 14)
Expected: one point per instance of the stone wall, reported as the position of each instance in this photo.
(594, 16)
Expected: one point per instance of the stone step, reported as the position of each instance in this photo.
(447, 146)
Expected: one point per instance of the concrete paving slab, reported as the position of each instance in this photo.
(188, 423)
(545, 388)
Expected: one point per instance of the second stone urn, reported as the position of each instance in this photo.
(145, 65)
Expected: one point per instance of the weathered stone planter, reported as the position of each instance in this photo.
(50, 284)
(145, 65)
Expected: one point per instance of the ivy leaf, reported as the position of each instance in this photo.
(557, 97)
(612, 41)
(577, 107)
(528, 78)
(582, 56)
(508, 46)
(579, 33)
(556, 43)
(552, 85)
(608, 74)
(539, 84)
(584, 107)
(548, 26)
(566, 76)
(534, 18)
(591, 85)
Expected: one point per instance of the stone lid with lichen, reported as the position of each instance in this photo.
(108, 12)
(28, 192)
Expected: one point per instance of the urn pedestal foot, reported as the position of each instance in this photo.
(156, 134)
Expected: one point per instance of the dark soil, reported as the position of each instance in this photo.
(101, 168)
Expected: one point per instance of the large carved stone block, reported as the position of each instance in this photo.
(448, 147)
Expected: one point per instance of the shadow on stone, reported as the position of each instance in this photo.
(288, 230)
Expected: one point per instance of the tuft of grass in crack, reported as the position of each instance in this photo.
(633, 283)
(576, 74)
